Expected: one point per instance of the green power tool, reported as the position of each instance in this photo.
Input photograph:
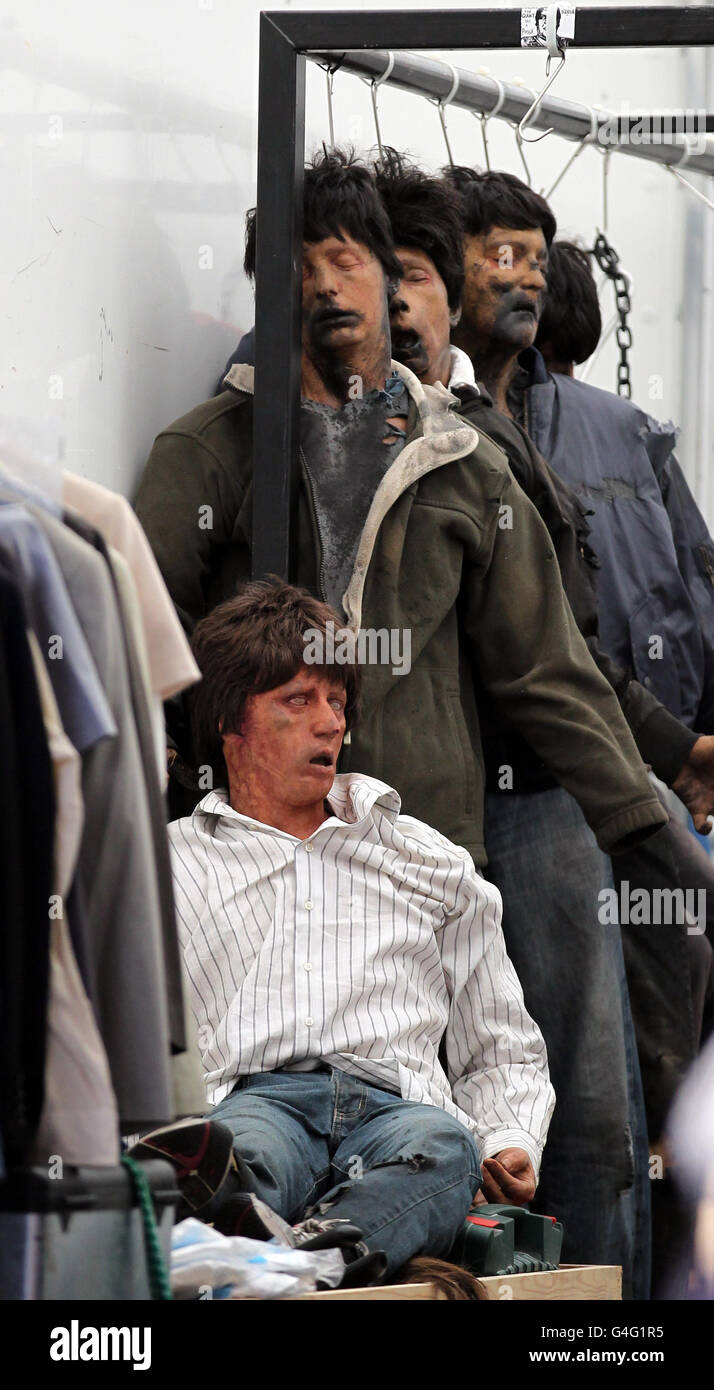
(499, 1239)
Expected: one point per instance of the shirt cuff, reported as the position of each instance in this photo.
(512, 1139)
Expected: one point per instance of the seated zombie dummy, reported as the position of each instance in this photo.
(333, 946)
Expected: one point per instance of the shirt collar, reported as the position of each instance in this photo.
(352, 796)
(462, 371)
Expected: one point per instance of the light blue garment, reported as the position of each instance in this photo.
(15, 489)
(80, 696)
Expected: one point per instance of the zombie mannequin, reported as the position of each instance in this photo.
(571, 967)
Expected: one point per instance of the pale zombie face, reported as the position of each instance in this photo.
(420, 317)
(505, 287)
(290, 740)
(344, 301)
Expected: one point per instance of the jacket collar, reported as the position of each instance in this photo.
(241, 377)
(353, 797)
(436, 436)
(658, 437)
(533, 362)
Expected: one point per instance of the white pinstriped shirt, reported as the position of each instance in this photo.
(359, 947)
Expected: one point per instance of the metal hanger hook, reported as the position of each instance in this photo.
(330, 117)
(485, 116)
(374, 84)
(532, 109)
(446, 101)
(588, 139)
(330, 70)
(519, 147)
(675, 169)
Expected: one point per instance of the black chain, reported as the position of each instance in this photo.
(609, 261)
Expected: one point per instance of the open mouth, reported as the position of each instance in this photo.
(407, 345)
(322, 760)
(405, 342)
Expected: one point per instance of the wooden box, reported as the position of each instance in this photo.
(584, 1283)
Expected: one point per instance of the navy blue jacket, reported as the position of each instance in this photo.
(656, 574)
(245, 352)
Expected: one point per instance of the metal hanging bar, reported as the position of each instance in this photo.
(428, 77)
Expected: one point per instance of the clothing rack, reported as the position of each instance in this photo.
(287, 40)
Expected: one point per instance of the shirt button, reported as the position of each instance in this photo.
(308, 965)
(308, 846)
(309, 1022)
(308, 904)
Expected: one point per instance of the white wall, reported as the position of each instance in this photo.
(129, 159)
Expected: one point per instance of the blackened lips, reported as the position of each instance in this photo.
(330, 318)
(517, 304)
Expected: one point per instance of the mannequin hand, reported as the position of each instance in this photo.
(694, 785)
(508, 1178)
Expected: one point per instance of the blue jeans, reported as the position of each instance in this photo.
(322, 1142)
(631, 1228)
(546, 862)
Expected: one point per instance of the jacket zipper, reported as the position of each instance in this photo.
(313, 514)
(343, 761)
(706, 561)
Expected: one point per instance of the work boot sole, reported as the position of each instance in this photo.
(201, 1152)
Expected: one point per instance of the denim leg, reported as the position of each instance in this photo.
(281, 1122)
(406, 1175)
(636, 1202)
(544, 859)
(632, 1217)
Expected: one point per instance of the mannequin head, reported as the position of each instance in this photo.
(425, 216)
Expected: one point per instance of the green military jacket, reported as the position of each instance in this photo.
(453, 550)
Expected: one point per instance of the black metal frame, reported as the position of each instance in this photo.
(285, 41)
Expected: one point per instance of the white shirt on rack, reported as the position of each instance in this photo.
(360, 947)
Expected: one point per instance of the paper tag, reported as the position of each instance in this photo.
(533, 20)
